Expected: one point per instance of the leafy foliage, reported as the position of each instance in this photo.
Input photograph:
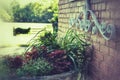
(35, 12)
(5, 12)
(59, 61)
(49, 40)
(41, 11)
(37, 67)
(75, 46)
(52, 55)
(33, 54)
(13, 62)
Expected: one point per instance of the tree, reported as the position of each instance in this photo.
(5, 12)
(35, 12)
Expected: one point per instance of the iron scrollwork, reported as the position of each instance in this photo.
(87, 21)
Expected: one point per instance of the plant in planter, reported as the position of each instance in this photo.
(76, 48)
(51, 55)
(69, 51)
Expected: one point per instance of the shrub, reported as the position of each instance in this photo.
(37, 67)
(46, 44)
(59, 61)
(51, 55)
(64, 53)
(33, 54)
(14, 62)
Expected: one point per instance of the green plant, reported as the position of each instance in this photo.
(52, 55)
(35, 11)
(48, 41)
(75, 45)
(39, 67)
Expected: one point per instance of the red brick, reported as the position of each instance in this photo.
(99, 7)
(95, 77)
(117, 60)
(101, 40)
(94, 72)
(103, 6)
(95, 7)
(109, 60)
(114, 69)
(94, 38)
(104, 49)
(99, 56)
(96, 46)
(92, 7)
(95, 63)
(112, 44)
(112, 52)
(105, 14)
(104, 68)
(117, 27)
(80, 3)
(106, 59)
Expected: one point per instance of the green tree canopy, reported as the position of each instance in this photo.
(42, 11)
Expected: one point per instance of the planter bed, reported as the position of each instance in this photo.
(52, 58)
(71, 75)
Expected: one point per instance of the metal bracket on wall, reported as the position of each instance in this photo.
(87, 21)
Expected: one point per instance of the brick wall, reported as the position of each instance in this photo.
(67, 10)
(106, 59)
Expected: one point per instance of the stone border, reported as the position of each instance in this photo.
(72, 75)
